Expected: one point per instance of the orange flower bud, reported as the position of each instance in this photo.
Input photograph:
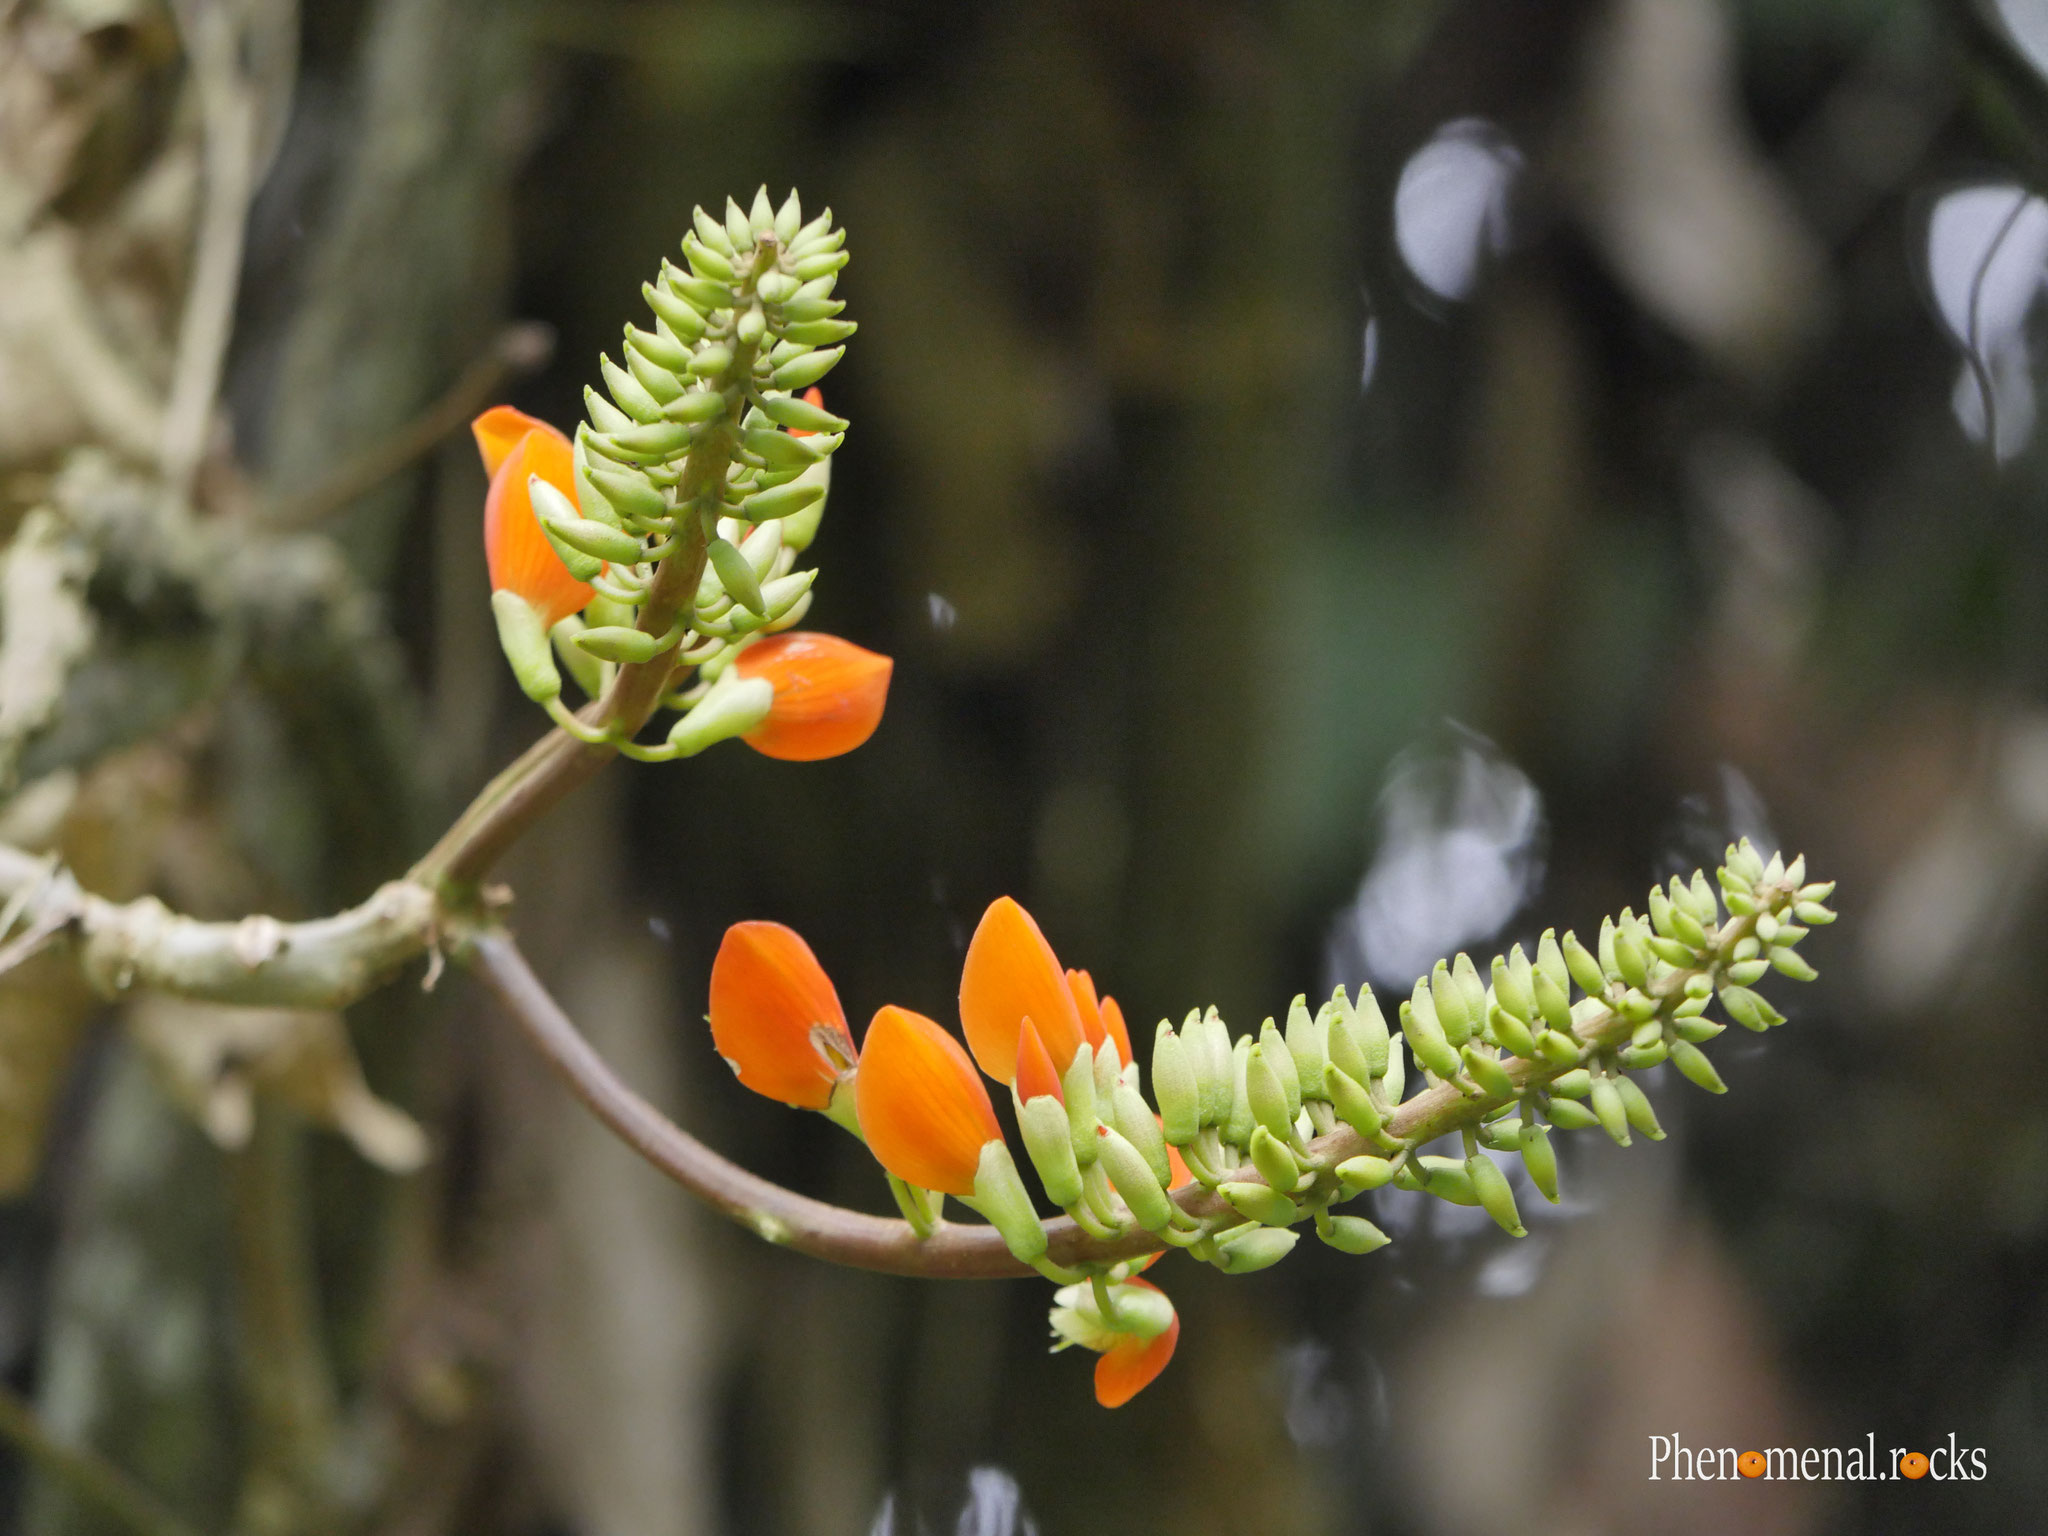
(1035, 1075)
(828, 695)
(1128, 1366)
(1113, 1026)
(1010, 974)
(922, 1108)
(1101, 1018)
(515, 446)
(775, 1017)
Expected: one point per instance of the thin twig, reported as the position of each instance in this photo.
(516, 350)
(85, 1472)
(812, 1227)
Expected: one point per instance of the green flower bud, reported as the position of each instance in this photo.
(1238, 1124)
(604, 416)
(1276, 1165)
(1570, 1115)
(589, 672)
(1496, 1196)
(624, 494)
(1671, 951)
(1748, 1009)
(734, 706)
(706, 262)
(1485, 1069)
(661, 385)
(1261, 1203)
(778, 450)
(1514, 985)
(1308, 1045)
(795, 411)
(1540, 1158)
(1274, 1047)
(693, 407)
(1562, 1049)
(1077, 1082)
(1340, 1040)
(804, 371)
(812, 267)
(1630, 958)
(1636, 1105)
(596, 542)
(1108, 1074)
(1692, 1061)
(1174, 1085)
(737, 576)
(1050, 1146)
(1426, 1037)
(1448, 1179)
(819, 333)
(999, 1194)
(1501, 1135)
(1511, 1032)
(651, 442)
(1586, 971)
(617, 642)
(782, 501)
(800, 309)
(1610, 1110)
(1259, 1248)
(1358, 1174)
(1352, 1234)
(1575, 1084)
(1812, 912)
(631, 395)
(1637, 1007)
(1134, 1118)
(1393, 1082)
(1218, 1072)
(1134, 1179)
(701, 293)
(1353, 1104)
(1550, 962)
(1266, 1093)
(525, 645)
(1704, 905)
(1471, 988)
(1638, 1057)
(683, 322)
(1698, 1031)
(1790, 964)
(1452, 1017)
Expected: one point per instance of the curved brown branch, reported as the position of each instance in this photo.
(791, 1220)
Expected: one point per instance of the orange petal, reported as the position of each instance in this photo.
(497, 433)
(1082, 985)
(829, 695)
(812, 396)
(1127, 1367)
(768, 996)
(922, 1108)
(1011, 972)
(1113, 1026)
(521, 559)
(1035, 1074)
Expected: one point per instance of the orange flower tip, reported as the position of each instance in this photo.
(921, 1103)
(829, 695)
(1132, 1364)
(498, 430)
(775, 1018)
(1113, 1026)
(1010, 974)
(1035, 1074)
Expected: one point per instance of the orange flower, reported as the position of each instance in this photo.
(1011, 974)
(775, 1017)
(828, 695)
(1035, 1075)
(922, 1108)
(1101, 1018)
(514, 446)
(1128, 1366)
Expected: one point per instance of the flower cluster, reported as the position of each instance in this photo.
(666, 534)
(1247, 1136)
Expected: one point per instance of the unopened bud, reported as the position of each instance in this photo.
(1693, 1062)
(1349, 1098)
(1495, 1194)
(1358, 1174)
(617, 642)
(1636, 1105)
(1540, 1158)
(734, 706)
(1260, 1248)
(1308, 1044)
(1050, 1146)
(1135, 1119)
(1452, 1016)
(1266, 1094)
(1261, 1203)
(999, 1194)
(1352, 1234)
(1276, 1165)
(525, 645)
(1610, 1110)
(1128, 1170)
(1586, 970)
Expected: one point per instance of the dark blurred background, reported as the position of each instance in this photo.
(1341, 483)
